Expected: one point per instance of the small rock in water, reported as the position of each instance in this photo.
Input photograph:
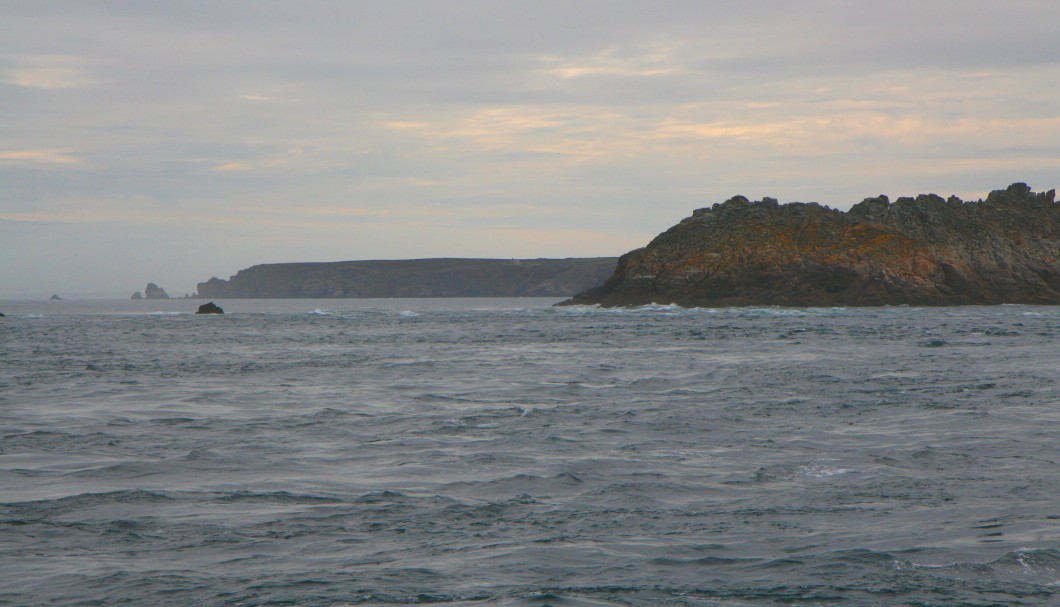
(210, 308)
(137, 295)
(55, 298)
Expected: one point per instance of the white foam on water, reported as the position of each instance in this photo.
(819, 470)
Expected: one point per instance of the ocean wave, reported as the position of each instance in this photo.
(276, 497)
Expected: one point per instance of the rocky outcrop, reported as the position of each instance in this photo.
(414, 278)
(55, 298)
(153, 291)
(136, 295)
(210, 308)
(919, 251)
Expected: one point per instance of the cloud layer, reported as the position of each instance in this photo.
(173, 141)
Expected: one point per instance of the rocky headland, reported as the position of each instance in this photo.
(918, 251)
(414, 278)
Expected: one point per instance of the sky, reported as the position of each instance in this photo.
(174, 141)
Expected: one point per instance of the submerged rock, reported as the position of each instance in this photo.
(210, 308)
(919, 251)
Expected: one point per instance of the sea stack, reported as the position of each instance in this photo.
(153, 291)
(210, 308)
(917, 251)
(136, 295)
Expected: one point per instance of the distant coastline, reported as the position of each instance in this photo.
(441, 277)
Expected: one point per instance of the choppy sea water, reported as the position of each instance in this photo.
(504, 452)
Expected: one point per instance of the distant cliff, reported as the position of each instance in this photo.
(414, 278)
(920, 251)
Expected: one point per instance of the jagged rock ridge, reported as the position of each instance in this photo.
(919, 251)
(414, 278)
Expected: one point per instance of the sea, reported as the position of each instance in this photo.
(473, 452)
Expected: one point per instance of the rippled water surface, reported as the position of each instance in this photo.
(504, 452)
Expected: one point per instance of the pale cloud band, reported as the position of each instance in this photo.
(62, 157)
(49, 72)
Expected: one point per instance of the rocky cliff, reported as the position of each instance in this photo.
(414, 278)
(919, 251)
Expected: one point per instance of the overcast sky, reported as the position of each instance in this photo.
(174, 141)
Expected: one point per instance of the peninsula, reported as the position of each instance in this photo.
(413, 278)
(918, 251)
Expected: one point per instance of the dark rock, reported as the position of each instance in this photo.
(414, 278)
(919, 251)
(153, 291)
(210, 308)
(55, 298)
(137, 295)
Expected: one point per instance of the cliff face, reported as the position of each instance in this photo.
(920, 251)
(414, 278)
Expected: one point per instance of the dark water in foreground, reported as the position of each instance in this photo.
(502, 452)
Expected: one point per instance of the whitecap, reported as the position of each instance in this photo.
(818, 470)
(576, 309)
(660, 307)
(777, 312)
(409, 313)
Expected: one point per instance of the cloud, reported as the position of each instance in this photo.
(646, 60)
(385, 129)
(46, 157)
(288, 158)
(49, 72)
